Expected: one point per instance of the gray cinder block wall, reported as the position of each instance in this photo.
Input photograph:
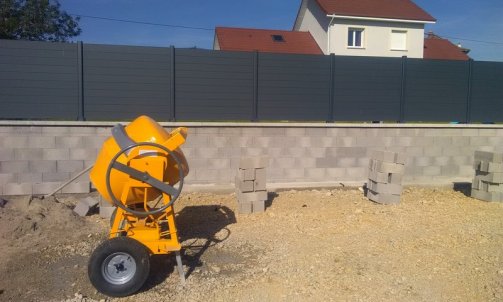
(35, 157)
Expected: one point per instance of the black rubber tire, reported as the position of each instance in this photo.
(135, 249)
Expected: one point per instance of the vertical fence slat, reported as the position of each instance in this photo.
(172, 95)
(331, 95)
(402, 89)
(254, 117)
(80, 68)
(469, 92)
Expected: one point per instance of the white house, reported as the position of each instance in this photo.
(384, 28)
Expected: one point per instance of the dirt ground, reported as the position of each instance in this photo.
(316, 245)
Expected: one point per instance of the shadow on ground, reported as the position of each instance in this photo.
(463, 187)
(195, 224)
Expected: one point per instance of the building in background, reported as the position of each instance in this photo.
(376, 28)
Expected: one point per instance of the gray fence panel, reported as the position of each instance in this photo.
(213, 85)
(436, 90)
(123, 82)
(293, 87)
(487, 92)
(367, 89)
(38, 80)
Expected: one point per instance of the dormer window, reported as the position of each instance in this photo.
(278, 38)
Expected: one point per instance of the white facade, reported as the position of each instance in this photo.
(377, 37)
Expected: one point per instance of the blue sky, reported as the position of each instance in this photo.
(468, 19)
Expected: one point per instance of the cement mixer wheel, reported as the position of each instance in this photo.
(119, 267)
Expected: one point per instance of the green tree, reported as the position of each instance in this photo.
(36, 20)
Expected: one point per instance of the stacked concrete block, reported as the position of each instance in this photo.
(385, 177)
(106, 209)
(251, 185)
(487, 184)
(85, 206)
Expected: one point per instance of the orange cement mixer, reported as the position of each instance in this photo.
(140, 169)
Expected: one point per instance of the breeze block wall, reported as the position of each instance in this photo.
(36, 157)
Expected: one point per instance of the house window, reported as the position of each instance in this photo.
(278, 38)
(398, 40)
(355, 37)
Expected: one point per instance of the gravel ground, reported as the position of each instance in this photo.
(317, 245)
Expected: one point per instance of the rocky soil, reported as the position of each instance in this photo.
(316, 245)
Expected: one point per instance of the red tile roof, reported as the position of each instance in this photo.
(389, 9)
(442, 49)
(244, 39)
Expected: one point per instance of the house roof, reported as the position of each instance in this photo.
(389, 9)
(247, 39)
(442, 49)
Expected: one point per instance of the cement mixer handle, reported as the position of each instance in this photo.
(146, 178)
(121, 138)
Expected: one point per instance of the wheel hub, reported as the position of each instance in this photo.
(119, 268)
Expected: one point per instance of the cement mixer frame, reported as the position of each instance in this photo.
(120, 265)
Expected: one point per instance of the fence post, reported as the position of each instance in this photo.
(469, 92)
(402, 90)
(331, 94)
(80, 76)
(172, 114)
(254, 117)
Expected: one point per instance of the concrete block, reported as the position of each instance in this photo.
(69, 166)
(253, 162)
(77, 187)
(488, 167)
(6, 154)
(260, 180)
(252, 196)
(432, 171)
(42, 142)
(346, 162)
(258, 206)
(56, 154)
(487, 196)
(6, 178)
(29, 177)
(93, 142)
(14, 166)
(244, 186)
(219, 163)
(17, 189)
(42, 166)
(82, 208)
(83, 154)
(245, 207)
(16, 142)
(45, 187)
(207, 152)
(476, 184)
(384, 156)
(294, 173)
(316, 174)
(383, 167)
(489, 177)
(246, 174)
(55, 130)
(28, 154)
(384, 178)
(106, 211)
(490, 187)
(383, 198)
(69, 142)
(55, 177)
(379, 177)
(82, 131)
(384, 188)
